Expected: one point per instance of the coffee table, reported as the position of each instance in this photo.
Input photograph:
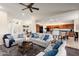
(25, 47)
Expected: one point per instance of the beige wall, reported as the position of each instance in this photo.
(3, 25)
(15, 29)
(31, 23)
(76, 25)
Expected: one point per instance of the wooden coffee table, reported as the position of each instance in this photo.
(25, 47)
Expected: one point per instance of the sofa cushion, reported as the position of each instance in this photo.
(46, 37)
(51, 52)
(57, 44)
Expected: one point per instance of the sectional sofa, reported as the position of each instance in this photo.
(55, 49)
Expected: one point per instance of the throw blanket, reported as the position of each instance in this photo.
(11, 42)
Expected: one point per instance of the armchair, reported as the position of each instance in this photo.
(8, 40)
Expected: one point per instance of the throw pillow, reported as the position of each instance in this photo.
(46, 37)
(35, 35)
(51, 53)
(57, 44)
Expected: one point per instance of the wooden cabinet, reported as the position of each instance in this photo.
(37, 27)
(65, 26)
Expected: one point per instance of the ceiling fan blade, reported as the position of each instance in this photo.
(31, 4)
(35, 8)
(30, 10)
(24, 8)
(23, 4)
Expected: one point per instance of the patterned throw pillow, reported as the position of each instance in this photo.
(51, 52)
(57, 44)
(46, 37)
(35, 35)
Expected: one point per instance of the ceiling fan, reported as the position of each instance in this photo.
(30, 7)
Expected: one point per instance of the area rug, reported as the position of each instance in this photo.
(13, 51)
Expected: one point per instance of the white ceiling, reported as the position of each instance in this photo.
(45, 9)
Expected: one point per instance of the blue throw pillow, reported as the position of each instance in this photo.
(35, 35)
(51, 53)
(32, 35)
(46, 37)
(59, 41)
(57, 45)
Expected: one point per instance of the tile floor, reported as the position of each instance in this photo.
(72, 43)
